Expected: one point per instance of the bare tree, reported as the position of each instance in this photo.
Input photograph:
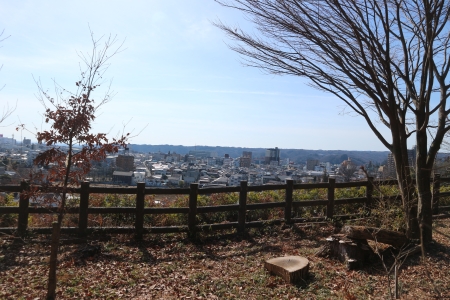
(70, 115)
(388, 60)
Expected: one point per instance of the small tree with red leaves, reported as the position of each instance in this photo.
(72, 146)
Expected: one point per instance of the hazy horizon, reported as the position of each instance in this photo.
(216, 146)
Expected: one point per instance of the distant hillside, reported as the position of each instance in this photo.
(296, 155)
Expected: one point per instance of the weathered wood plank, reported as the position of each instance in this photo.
(111, 210)
(165, 210)
(9, 209)
(217, 208)
(351, 184)
(242, 208)
(267, 205)
(217, 190)
(271, 187)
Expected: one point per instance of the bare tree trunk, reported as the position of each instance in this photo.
(52, 278)
(51, 288)
(424, 207)
(424, 164)
(405, 181)
(406, 187)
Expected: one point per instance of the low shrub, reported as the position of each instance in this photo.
(7, 220)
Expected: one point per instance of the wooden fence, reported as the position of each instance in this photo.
(83, 210)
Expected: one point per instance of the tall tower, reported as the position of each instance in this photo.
(272, 154)
(391, 162)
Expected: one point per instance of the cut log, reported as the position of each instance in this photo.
(394, 238)
(292, 269)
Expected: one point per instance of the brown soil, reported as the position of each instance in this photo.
(215, 266)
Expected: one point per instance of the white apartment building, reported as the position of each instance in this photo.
(159, 169)
(236, 179)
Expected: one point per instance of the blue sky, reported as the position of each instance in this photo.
(176, 81)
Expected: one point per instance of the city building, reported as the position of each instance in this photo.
(227, 161)
(311, 164)
(125, 163)
(236, 179)
(26, 142)
(123, 177)
(272, 154)
(7, 141)
(391, 162)
(246, 159)
(244, 162)
(390, 172)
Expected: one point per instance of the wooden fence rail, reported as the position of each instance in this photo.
(242, 207)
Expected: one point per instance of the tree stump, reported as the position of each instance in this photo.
(351, 247)
(291, 268)
(355, 253)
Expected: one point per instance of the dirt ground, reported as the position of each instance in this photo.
(220, 265)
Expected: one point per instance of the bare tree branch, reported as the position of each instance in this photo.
(387, 60)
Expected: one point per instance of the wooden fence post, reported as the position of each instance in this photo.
(436, 188)
(330, 204)
(369, 194)
(242, 206)
(288, 207)
(84, 204)
(192, 215)
(140, 203)
(24, 202)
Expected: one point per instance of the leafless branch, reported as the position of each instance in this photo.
(388, 62)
